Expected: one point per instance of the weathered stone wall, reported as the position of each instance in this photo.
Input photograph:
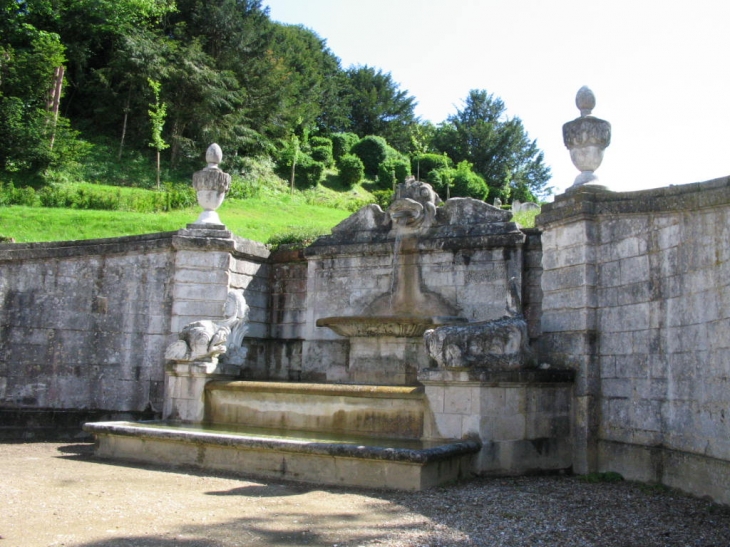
(473, 276)
(84, 324)
(532, 282)
(637, 301)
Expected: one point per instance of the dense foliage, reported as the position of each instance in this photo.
(162, 79)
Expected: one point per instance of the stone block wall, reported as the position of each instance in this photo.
(84, 324)
(637, 301)
(343, 280)
(532, 293)
(522, 418)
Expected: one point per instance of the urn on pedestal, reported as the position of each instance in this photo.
(211, 185)
(586, 137)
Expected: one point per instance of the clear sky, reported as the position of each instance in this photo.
(660, 71)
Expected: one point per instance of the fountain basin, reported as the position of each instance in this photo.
(383, 463)
(399, 326)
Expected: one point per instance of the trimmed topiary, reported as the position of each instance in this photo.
(425, 163)
(393, 169)
(351, 170)
(342, 143)
(373, 151)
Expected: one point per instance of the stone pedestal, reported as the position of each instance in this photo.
(522, 418)
(386, 360)
(185, 388)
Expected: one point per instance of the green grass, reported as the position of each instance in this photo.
(258, 219)
(279, 218)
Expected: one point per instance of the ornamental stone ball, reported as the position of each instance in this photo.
(211, 185)
(586, 137)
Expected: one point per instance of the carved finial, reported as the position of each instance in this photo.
(214, 155)
(211, 185)
(585, 100)
(586, 137)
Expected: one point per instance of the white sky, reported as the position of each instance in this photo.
(659, 70)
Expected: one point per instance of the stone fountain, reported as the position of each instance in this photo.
(402, 359)
(386, 345)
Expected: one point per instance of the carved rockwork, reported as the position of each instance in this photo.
(488, 345)
(211, 185)
(586, 137)
(203, 341)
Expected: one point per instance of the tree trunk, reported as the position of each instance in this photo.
(124, 124)
(55, 99)
(158, 169)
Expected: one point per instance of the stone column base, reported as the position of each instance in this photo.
(185, 388)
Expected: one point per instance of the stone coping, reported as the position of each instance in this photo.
(447, 238)
(208, 240)
(376, 449)
(587, 201)
(495, 378)
(343, 390)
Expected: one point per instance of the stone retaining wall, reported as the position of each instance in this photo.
(84, 324)
(637, 301)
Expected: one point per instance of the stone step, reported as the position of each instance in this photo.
(341, 409)
(301, 456)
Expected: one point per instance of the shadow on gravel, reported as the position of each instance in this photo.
(79, 449)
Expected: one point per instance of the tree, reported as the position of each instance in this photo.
(157, 113)
(378, 107)
(33, 136)
(497, 146)
(309, 79)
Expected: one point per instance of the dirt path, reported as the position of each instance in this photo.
(60, 495)
(51, 495)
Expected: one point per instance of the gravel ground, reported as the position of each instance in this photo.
(60, 495)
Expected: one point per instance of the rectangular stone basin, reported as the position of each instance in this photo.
(364, 410)
(310, 457)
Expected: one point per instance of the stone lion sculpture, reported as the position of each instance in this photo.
(205, 340)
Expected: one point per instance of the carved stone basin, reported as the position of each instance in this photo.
(402, 326)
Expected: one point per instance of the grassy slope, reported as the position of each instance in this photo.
(257, 218)
(273, 213)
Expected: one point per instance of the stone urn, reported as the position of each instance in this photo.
(211, 185)
(586, 137)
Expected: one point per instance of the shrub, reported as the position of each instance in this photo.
(309, 172)
(320, 141)
(323, 154)
(342, 143)
(373, 151)
(440, 179)
(466, 183)
(351, 170)
(383, 197)
(423, 164)
(10, 195)
(296, 237)
(394, 169)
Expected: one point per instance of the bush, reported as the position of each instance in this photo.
(342, 143)
(323, 154)
(423, 164)
(383, 198)
(393, 170)
(351, 170)
(10, 195)
(309, 172)
(373, 151)
(466, 183)
(296, 237)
